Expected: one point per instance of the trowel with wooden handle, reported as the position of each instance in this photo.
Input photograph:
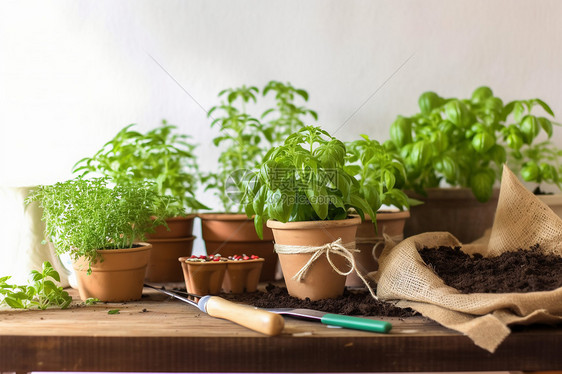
(331, 319)
(253, 318)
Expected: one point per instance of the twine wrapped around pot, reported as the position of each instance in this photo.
(334, 248)
(521, 221)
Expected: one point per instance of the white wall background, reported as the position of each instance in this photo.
(73, 73)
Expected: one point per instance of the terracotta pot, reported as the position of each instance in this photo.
(230, 234)
(554, 202)
(321, 280)
(203, 278)
(179, 227)
(389, 223)
(454, 210)
(119, 277)
(163, 264)
(242, 276)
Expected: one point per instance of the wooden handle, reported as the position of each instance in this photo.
(248, 316)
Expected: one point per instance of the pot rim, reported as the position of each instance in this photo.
(224, 217)
(184, 259)
(143, 247)
(349, 221)
(169, 240)
(387, 216)
(449, 193)
(187, 217)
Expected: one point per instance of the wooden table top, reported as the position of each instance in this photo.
(159, 334)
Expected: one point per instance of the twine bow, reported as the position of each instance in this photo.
(336, 247)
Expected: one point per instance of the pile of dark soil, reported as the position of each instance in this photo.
(355, 302)
(514, 271)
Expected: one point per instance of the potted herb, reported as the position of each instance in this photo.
(287, 116)
(463, 143)
(243, 140)
(381, 176)
(167, 159)
(240, 137)
(304, 193)
(102, 227)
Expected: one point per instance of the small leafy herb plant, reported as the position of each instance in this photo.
(380, 173)
(240, 136)
(286, 117)
(41, 292)
(83, 216)
(159, 155)
(304, 180)
(465, 142)
(244, 138)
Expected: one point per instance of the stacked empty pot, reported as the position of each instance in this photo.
(167, 246)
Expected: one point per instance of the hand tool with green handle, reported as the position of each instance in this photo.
(349, 322)
(357, 323)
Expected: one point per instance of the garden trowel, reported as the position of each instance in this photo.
(255, 319)
(331, 319)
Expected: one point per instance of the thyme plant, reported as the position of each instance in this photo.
(82, 216)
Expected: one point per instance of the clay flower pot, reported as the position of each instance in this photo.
(230, 234)
(388, 223)
(321, 280)
(163, 264)
(242, 275)
(454, 210)
(119, 277)
(179, 227)
(203, 278)
(167, 246)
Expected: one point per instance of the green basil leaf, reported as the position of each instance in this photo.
(319, 199)
(530, 128)
(481, 94)
(401, 131)
(482, 142)
(429, 101)
(530, 172)
(544, 106)
(482, 184)
(420, 154)
(457, 113)
(546, 125)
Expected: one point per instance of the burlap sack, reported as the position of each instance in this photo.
(521, 221)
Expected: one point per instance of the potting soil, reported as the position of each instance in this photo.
(352, 302)
(513, 271)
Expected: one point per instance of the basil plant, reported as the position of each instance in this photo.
(244, 136)
(380, 172)
(304, 179)
(465, 142)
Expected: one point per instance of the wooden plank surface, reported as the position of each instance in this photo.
(159, 334)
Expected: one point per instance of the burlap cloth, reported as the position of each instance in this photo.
(521, 221)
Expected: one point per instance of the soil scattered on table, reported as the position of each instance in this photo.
(352, 302)
(514, 271)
